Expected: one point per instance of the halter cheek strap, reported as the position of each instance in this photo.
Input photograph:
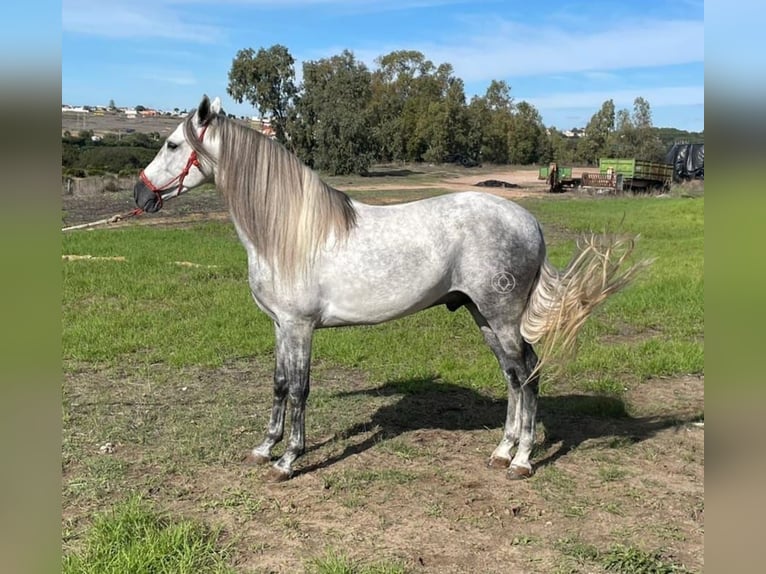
(192, 161)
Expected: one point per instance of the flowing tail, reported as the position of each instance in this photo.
(561, 301)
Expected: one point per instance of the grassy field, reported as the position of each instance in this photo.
(181, 297)
(167, 381)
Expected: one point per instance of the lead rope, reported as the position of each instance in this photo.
(108, 220)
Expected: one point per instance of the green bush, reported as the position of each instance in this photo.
(113, 154)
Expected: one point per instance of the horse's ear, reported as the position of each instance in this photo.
(203, 111)
(215, 106)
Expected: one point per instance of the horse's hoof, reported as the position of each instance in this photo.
(252, 459)
(519, 472)
(277, 475)
(498, 462)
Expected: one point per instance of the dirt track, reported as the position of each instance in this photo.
(95, 205)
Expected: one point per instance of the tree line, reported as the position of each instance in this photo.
(343, 117)
(82, 155)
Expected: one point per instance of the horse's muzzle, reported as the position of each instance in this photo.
(145, 198)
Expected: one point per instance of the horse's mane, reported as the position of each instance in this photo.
(283, 207)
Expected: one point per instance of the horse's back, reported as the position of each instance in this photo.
(474, 223)
(453, 209)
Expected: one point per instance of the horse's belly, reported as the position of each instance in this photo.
(372, 309)
(376, 295)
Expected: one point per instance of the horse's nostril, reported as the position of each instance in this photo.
(145, 198)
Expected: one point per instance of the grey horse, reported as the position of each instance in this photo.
(318, 259)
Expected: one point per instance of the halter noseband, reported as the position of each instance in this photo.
(192, 161)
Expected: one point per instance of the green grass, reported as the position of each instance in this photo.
(337, 563)
(357, 480)
(149, 309)
(132, 537)
(151, 306)
(618, 558)
(631, 560)
(655, 327)
(146, 314)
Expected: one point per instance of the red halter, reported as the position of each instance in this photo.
(192, 161)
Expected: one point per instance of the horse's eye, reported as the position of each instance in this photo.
(172, 145)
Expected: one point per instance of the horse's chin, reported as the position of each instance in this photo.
(146, 199)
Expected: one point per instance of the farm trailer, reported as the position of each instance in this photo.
(629, 174)
(558, 177)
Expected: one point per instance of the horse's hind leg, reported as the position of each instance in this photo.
(517, 360)
(520, 465)
(501, 456)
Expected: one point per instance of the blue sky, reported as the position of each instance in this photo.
(564, 57)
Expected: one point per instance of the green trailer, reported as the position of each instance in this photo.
(637, 174)
(558, 177)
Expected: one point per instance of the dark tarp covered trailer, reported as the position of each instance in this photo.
(688, 161)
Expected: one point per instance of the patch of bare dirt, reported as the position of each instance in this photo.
(394, 470)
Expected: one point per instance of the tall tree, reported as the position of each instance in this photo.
(444, 126)
(634, 135)
(418, 108)
(562, 149)
(457, 121)
(478, 120)
(642, 114)
(648, 143)
(266, 79)
(595, 142)
(396, 87)
(527, 140)
(331, 118)
(499, 97)
(494, 113)
(429, 109)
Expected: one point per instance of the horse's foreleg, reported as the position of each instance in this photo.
(262, 453)
(293, 368)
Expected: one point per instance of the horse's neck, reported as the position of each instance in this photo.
(263, 277)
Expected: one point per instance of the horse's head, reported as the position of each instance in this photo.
(178, 167)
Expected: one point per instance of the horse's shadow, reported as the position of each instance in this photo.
(429, 403)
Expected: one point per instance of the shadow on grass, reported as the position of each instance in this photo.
(392, 173)
(430, 403)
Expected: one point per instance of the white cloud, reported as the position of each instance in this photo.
(133, 19)
(600, 76)
(172, 18)
(177, 78)
(657, 97)
(506, 49)
(356, 5)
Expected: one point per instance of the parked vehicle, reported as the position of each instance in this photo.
(629, 174)
(558, 177)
